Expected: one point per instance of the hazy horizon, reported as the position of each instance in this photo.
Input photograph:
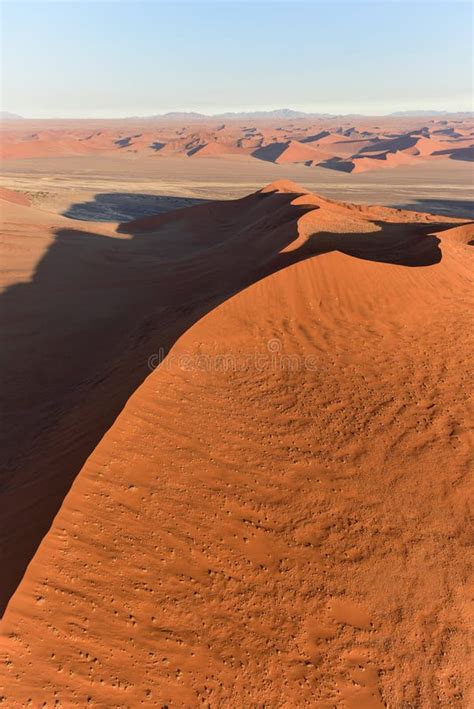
(138, 59)
(6, 114)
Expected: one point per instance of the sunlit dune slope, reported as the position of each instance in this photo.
(278, 516)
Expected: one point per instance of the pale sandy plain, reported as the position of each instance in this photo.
(278, 513)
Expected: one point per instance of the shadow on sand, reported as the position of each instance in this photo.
(125, 206)
(461, 208)
(78, 336)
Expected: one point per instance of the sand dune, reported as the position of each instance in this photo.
(213, 149)
(464, 153)
(337, 143)
(13, 197)
(276, 513)
(292, 151)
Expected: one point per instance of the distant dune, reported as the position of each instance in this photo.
(238, 434)
(13, 197)
(352, 144)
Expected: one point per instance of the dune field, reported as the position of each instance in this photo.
(236, 424)
(345, 144)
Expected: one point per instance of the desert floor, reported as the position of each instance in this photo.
(78, 186)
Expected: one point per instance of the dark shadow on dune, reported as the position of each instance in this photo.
(464, 154)
(196, 149)
(79, 335)
(340, 164)
(123, 142)
(450, 132)
(270, 152)
(125, 206)
(460, 208)
(402, 142)
(126, 142)
(372, 156)
(414, 247)
(315, 137)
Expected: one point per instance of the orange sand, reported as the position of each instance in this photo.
(278, 516)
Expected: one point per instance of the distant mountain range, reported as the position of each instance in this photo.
(7, 116)
(430, 113)
(286, 114)
(276, 114)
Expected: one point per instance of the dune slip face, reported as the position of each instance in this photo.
(238, 457)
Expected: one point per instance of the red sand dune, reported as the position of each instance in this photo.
(214, 149)
(278, 516)
(13, 197)
(290, 152)
(332, 140)
(388, 159)
(461, 153)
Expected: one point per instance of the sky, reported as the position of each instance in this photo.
(113, 58)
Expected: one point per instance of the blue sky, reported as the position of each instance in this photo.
(109, 58)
